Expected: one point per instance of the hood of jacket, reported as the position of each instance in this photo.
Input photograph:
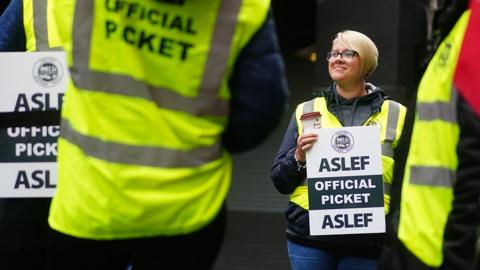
(336, 103)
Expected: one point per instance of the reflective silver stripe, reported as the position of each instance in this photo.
(437, 111)
(386, 188)
(206, 103)
(387, 150)
(220, 49)
(392, 121)
(308, 106)
(40, 26)
(432, 176)
(391, 132)
(140, 155)
(445, 111)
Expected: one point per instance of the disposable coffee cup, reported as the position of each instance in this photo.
(311, 120)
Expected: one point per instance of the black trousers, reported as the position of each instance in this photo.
(23, 233)
(194, 251)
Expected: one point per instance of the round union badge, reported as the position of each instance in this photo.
(47, 72)
(342, 141)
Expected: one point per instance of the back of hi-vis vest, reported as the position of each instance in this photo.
(140, 152)
(430, 171)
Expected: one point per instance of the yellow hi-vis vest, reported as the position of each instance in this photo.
(39, 26)
(140, 149)
(430, 170)
(390, 119)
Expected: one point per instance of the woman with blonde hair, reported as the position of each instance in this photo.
(349, 101)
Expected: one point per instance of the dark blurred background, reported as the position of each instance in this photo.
(3, 4)
(405, 32)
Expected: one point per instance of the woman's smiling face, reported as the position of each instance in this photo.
(344, 70)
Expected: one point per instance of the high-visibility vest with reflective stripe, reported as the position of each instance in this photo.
(140, 149)
(432, 161)
(390, 119)
(39, 26)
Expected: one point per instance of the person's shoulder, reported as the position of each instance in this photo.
(378, 98)
(389, 100)
(379, 93)
(303, 103)
(375, 90)
(396, 103)
(310, 101)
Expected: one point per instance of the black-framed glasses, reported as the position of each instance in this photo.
(348, 54)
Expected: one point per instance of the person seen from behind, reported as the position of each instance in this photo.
(435, 225)
(160, 94)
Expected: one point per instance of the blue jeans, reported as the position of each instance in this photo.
(307, 258)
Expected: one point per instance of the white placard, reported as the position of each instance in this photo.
(348, 221)
(33, 81)
(345, 187)
(26, 180)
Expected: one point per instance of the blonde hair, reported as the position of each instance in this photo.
(363, 45)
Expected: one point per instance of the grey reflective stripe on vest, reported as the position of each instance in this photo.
(432, 176)
(308, 106)
(387, 187)
(140, 155)
(206, 103)
(390, 136)
(387, 149)
(40, 26)
(430, 111)
(392, 121)
(391, 129)
(445, 111)
(437, 111)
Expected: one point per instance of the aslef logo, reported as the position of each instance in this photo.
(47, 72)
(342, 141)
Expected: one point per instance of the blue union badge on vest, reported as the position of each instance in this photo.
(345, 186)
